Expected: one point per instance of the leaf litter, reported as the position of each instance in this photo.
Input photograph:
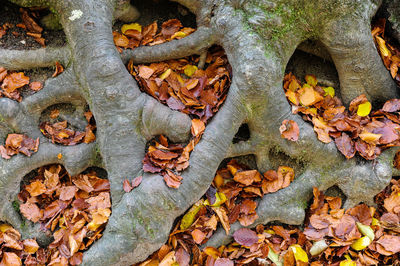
(75, 209)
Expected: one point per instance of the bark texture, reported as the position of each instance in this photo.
(259, 38)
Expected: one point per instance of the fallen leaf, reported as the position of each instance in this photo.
(289, 130)
(245, 237)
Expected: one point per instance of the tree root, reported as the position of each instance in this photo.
(195, 43)
(26, 59)
(367, 76)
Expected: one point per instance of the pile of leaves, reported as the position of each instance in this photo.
(60, 133)
(76, 209)
(232, 197)
(134, 35)
(12, 82)
(33, 29)
(18, 143)
(182, 86)
(357, 130)
(171, 159)
(389, 53)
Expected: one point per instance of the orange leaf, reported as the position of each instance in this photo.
(14, 81)
(289, 130)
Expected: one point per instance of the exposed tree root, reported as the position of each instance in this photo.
(127, 118)
(195, 43)
(26, 59)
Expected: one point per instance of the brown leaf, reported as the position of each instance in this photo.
(223, 262)
(198, 236)
(31, 211)
(392, 105)
(68, 192)
(35, 86)
(30, 246)
(247, 177)
(14, 81)
(172, 180)
(289, 130)
(198, 127)
(59, 69)
(170, 27)
(223, 218)
(137, 181)
(345, 145)
(36, 188)
(10, 259)
(127, 186)
(245, 237)
(390, 243)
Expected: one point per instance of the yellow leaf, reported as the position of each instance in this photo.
(366, 230)
(213, 252)
(166, 74)
(218, 181)
(5, 227)
(189, 70)
(382, 46)
(369, 137)
(329, 91)
(220, 199)
(63, 135)
(364, 109)
(270, 231)
(232, 169)
(311, 80)
(347, 262)
(133, 26)
(361, 243)
(299, 253)
(375, 221)
(179, 34)
(188, 218)
(292, 96)
(294, 85)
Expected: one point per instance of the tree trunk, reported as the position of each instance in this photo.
(259, 37)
